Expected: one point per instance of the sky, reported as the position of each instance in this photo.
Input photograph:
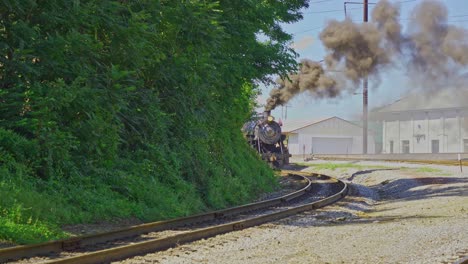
(394, 83)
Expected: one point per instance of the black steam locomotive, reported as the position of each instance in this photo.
(264, 135)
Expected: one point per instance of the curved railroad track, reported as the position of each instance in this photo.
(316, 191)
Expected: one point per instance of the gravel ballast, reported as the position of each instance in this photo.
(394, 213)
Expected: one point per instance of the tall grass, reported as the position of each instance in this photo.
(33, 209)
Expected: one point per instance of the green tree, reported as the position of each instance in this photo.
(139, 103)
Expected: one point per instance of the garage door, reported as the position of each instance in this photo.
(322, 145)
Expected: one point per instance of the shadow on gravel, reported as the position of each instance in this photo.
(337, 218)
(361, 201)
(361, 207)
(406, 189)
(293, 166)
(367, 172)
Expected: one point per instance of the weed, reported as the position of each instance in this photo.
(342, 166)
(428, 170)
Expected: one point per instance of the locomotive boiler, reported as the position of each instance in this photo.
(264, 135)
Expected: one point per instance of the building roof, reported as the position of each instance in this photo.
(442, 99)
(291, 126)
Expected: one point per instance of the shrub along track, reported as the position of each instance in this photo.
(317, 191)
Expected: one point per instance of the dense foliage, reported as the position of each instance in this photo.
(113, 109)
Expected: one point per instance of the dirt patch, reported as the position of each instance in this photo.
(100, 227)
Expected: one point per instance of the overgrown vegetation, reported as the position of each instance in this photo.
(114, 109)
(428, 170)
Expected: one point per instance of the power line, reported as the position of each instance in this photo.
(326, 11)
(456, 21)
(321, 1)
(341, 10)
(329, 11)
(401, 19)
(456, 16)
(407, 1)
(307, 30)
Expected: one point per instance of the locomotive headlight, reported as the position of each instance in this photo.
(270, 119)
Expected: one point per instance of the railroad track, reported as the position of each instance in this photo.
(460, 257)
(317, 191)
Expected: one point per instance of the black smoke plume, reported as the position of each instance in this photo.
(432, 51)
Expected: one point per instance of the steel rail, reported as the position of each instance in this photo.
(463, 260)
(57, 246)
(140, 248)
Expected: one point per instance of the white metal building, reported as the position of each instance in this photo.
(435, 123)
(328, 136)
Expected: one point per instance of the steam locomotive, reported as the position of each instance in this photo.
(264, 135)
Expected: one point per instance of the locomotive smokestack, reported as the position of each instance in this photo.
(266, 114)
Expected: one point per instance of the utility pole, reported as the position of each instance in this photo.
(284, 111)
(364, 95)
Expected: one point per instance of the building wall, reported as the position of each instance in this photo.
(293, 143)
(451, 132)
(422, 130)
(348, 138)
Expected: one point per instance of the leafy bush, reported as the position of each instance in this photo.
(115, 109)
